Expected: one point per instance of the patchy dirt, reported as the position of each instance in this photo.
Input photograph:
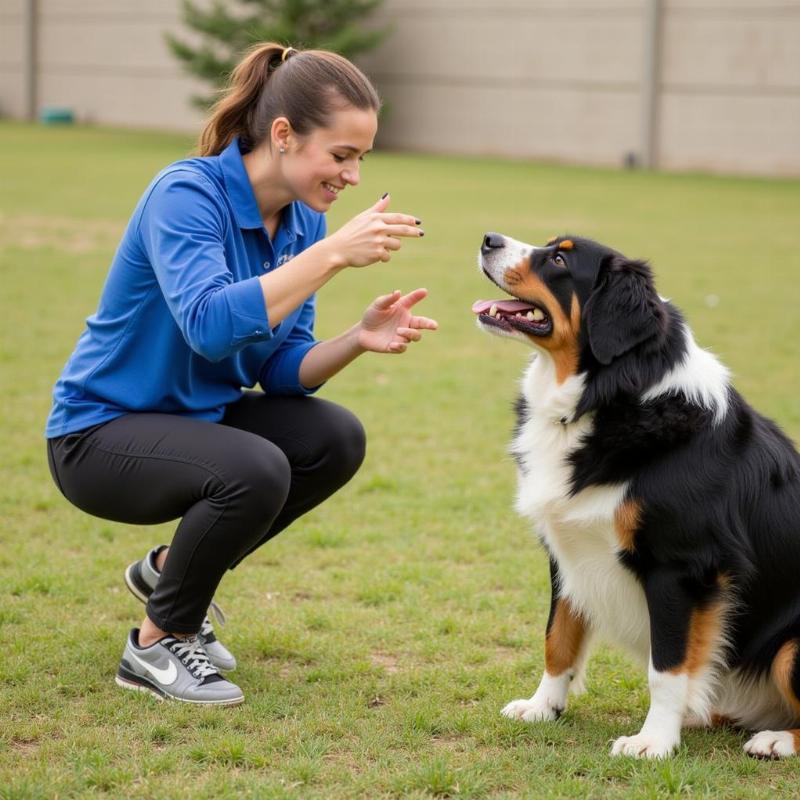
(25, 747)
(79, 236)
(388, 662)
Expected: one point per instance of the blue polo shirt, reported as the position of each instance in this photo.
(182, 324)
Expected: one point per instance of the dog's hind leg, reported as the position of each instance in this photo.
(565, 653)
(786, 675)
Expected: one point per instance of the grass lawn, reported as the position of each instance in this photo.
(379, 638)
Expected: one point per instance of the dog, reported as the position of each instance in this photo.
(668, 507)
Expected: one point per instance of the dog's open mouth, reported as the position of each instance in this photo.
(514, 315)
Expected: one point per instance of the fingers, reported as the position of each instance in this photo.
(386, 300)
(404, 230)
(400, 219)
(388, 245)
(394, 218)
(396, 224)
(407, 301)
(424, 323)
(392, 243)
(383, 203)
(409, 334)
(405, 336)
(412, 298)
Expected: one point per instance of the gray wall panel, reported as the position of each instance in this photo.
(553, 79)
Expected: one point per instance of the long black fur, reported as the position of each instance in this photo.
(720, 500)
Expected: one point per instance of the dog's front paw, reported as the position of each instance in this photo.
(771, 744)
(537, 709)
(643, 746)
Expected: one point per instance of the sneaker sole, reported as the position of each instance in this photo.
(139, 687)
(142, 685)
(135, 590)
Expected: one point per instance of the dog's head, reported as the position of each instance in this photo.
(584, 304)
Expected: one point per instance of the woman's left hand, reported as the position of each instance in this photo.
(388, 324)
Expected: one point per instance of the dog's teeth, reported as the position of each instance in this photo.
(538, 314)
(529, 315)
(493, 311)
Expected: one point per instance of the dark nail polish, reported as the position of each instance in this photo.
(384, 195)
(422, 233)
(418, 222)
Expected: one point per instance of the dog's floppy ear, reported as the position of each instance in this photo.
(623, 310)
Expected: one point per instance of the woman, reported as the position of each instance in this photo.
(212, 289)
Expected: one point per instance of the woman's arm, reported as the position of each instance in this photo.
(327, 358)
(367, 238)
(388, 326)
(290, 286)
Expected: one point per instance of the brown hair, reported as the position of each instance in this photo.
(305, 86)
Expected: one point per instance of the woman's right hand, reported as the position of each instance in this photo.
(372, 236)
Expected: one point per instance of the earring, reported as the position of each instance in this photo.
(281, 150)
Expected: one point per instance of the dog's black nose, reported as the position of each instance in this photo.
(492, 241)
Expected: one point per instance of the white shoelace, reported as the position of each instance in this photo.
(190, 652)
(219, 615)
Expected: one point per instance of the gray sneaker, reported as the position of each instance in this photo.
(141, 578)
(176, 669)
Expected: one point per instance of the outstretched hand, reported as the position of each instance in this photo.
(388, 326)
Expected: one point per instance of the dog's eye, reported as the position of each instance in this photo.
(559, 259)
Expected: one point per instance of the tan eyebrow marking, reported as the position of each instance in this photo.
(567, 244)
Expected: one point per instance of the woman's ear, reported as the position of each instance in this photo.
(623, 310)
(280, 134)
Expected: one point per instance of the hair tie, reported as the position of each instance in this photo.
(286, 52)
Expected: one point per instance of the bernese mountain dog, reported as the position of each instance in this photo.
(668, 507)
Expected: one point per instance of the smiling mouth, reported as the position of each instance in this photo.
(331, 188)
(510, 315)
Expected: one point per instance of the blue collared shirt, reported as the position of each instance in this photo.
(182, 324)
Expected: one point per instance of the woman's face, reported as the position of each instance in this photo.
(318, 166)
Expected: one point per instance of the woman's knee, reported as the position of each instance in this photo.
(346, 440)
(259, 478)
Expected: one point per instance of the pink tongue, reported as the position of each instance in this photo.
(509, 306)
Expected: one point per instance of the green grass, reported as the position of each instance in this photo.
(380, 636)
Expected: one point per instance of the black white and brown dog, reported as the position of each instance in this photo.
(669, 508)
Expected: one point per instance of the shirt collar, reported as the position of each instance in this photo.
(240, 191)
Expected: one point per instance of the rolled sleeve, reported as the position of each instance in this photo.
(246, 300)
(182, 229)
(281, 374)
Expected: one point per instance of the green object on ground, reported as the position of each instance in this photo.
(56, 115)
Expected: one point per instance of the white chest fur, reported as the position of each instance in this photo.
(579, 530)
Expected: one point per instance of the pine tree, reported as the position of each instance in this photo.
(227, 29)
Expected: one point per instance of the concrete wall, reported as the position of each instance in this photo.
(12, 58)
(563, 81)
(105, 59)
(730, 94)
(552, 79)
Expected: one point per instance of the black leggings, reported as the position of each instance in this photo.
(234, 484)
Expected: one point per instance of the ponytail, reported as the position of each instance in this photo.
(229, 115)
(272, 81)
